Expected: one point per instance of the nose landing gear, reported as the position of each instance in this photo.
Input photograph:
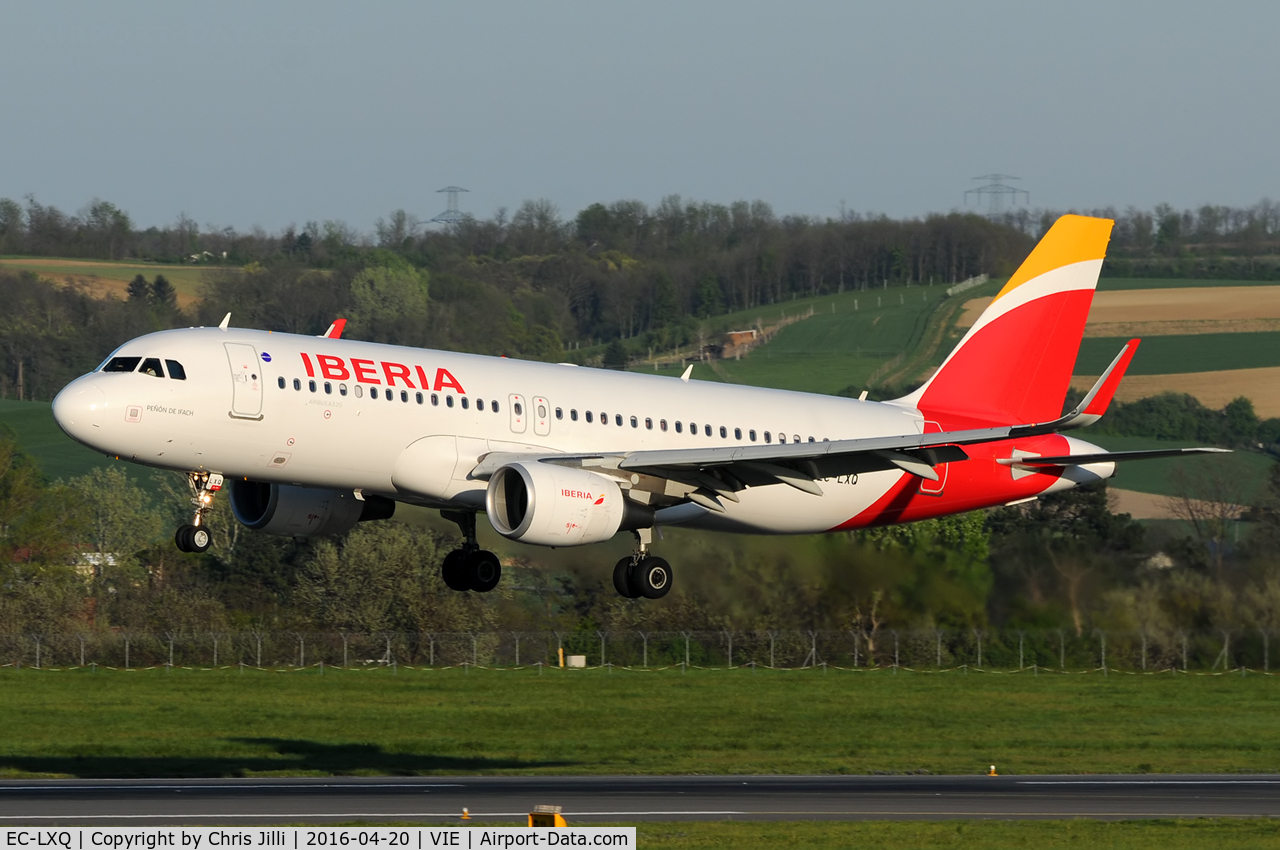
(642, 574)
(195, 536)
(469, 567)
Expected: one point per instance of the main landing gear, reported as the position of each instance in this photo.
(195, 536)
(470, 567)
(642, 574)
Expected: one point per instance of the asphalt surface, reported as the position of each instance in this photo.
(586, 800)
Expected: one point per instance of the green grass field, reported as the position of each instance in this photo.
(849, 337)
(1160, 476)
(57, 454)
(185, 279)
(371, 722)
(1171, 355)
(986, 835)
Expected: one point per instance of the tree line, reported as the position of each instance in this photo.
(94, 556)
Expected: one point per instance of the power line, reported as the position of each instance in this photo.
(996, 191)
(450, 215)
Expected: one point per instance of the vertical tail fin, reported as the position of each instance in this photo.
(1014, 365)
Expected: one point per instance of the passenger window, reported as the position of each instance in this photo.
(648, 423)
(518, 409)
(418, 397)
(752, 434)
(435, 400)
(662, 424)
(465, 403)
(359, 391)
(311, 385)
(479, 404)
(782, 438)
(390, 395)
(559, 413)
(724, 432)
(635, 423)
(737, 433)
(795, 438)
(707, 430)
(542, 411)
(573, 414)
(404, 396)
(373, 392)
(280, 381)
(679, 427)
(604, 418)
(297, 384)
(588, 417)
(693, 428)
(617, 419)
(328, 388)
(176, 372)
(342, 389)
(767, 438)
(812, 440)
(122, 364)
(448, 402)
(493, 405)
(151, 366)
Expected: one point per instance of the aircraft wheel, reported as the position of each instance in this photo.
(454, 570)
(198, 539)
(622, 580)
(652, 577)
(182, 538)
(484, 571)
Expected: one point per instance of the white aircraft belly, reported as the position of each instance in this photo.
(779, 509)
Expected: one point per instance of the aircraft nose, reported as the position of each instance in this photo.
(79, 409)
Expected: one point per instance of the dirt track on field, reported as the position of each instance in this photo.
(1213, 389)
(1139, 505)
(1171, 312)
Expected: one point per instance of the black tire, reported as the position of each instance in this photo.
(652, 577)
(199, 539)
(454, 570)
(182, 538)
(484, 571)
(622, 580)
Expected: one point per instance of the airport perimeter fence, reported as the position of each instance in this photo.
(916, 650)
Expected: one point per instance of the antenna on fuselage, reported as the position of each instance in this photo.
(222, 326)
(687, 373)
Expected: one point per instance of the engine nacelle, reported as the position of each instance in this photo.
(550, 505)
(302, 511)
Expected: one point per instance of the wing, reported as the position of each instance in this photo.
(704, 476)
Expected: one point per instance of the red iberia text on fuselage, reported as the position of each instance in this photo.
(365, 371)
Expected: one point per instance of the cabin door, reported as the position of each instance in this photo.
(246, 380)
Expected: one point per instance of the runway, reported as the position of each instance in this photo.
(499, 800)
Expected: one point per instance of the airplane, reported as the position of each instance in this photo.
(311, 435)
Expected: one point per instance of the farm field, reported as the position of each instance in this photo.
(1113, 284)
(105, 278)
(1213, 389)
(57, 454)
(986, 834)
(1172, 355)
(1159, 476)
(441, 721)
(849, 338)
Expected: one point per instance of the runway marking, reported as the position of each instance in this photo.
(1152, 782)
(245, 786)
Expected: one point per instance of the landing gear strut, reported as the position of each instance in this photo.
(469, 567)
(642, 574)
(195, 536)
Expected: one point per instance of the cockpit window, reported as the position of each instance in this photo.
(151, 366)
(121, 364)
(175, 370)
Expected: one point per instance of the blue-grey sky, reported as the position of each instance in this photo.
(250, 113)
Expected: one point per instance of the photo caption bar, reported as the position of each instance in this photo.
(306, 838)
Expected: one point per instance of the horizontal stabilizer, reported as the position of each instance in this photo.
(1106, 457)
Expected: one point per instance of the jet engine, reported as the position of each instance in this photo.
(550, 505)
(303, 511)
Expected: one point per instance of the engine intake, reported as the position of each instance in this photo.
(550, 505)
(302, 511)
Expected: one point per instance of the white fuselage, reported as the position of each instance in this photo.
(410, 424)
